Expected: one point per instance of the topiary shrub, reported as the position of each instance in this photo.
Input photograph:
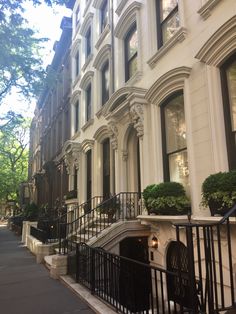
(219, 192)
(167, 198)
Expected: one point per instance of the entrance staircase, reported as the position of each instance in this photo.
(98, 217)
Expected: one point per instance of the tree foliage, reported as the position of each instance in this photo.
(20, 60)
(13, 154)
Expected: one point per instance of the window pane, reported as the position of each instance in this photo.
(166, 7)
(88, 42)
(88, 102)
(105, 83)
(178, 165)
(104, 15)
(231, 80)
(133, 66)
(170, 26)
(132, 44)
(175, 124)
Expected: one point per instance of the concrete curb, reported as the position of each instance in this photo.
(94, 303)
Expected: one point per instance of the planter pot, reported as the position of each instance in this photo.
(217, 209)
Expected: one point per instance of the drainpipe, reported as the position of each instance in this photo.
(112, 48)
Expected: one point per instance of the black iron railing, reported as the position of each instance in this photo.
(210, 264)
(85, 207)
(122, 206)
(39, 234)
(127, 285)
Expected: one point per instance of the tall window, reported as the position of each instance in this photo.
(77, 116)
(88, 102)
(104, 15)
(89, 174)
(75, 183)
(106, 168)
(88, 42)
(175, 158)
(131, 52)
(105, 82)
(228, 76)
(77, 66)
(167, 19)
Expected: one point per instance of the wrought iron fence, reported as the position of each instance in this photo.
(122, 206)
(210, 264)
(39, 234)
(127, 285)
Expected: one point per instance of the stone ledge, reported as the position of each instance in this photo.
(98, 306)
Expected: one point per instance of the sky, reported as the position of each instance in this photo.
(46, 21)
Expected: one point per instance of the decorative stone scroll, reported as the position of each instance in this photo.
(113, 132)
(136, 114)
(72, 156)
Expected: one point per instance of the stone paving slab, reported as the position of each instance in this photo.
(26, 288)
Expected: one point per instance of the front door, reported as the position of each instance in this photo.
(89, 179)
(135, 279)
(106, 169)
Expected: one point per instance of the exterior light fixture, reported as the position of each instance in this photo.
(154, 242)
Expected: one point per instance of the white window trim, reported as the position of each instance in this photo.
(206, 10)
(127, 19)
(102, 57)
(85, 81)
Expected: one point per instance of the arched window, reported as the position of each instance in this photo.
(228, 79)
(77, 116)
(175, 158)
(105, 82)
(106, 168)
(88, 102)
(88, 39)
(131, 52)
(104, 15)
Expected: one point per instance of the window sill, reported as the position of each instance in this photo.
(102, 36)
(99, 113)
(86, 8)
(135, 78)
(87, 61)
(206, 9)
(78, 77)
(87, 124)
(120, 7)
(179, 36)
(77, 134)
(77, 28)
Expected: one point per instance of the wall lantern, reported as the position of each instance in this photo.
(154, 242)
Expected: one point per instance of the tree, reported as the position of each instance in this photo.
(13, 154)
(20, 61)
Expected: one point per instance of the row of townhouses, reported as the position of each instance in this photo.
(139, 92)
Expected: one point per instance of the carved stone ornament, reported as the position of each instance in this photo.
(124, 155)
(75, 159)
(136, 114)
(113, 135)
(68, 163)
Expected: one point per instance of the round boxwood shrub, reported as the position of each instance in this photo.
(219, 192)
(167, 198)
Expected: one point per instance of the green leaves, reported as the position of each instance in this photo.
(21, 65)
(13, 154)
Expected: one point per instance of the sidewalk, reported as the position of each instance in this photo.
(26, 288)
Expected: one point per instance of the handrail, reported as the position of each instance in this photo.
(124, 205)
(81, 206)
